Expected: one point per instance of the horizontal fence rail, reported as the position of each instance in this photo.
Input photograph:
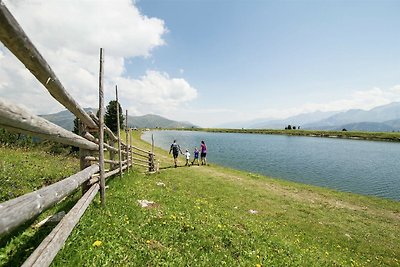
(24, 208)
(48, 249)
(15, 39)
(18, 119)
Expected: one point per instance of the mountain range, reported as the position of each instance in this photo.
(384, 118)
(65, 119)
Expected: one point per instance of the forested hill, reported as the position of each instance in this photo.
(65, 119)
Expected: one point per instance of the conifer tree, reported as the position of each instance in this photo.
(110, 117)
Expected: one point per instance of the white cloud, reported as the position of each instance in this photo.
(69, 34)
(156, 92)
(366, 99)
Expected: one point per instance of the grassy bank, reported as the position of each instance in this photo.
(376, 136)
(210, 215)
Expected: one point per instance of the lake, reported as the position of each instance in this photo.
(363, 167)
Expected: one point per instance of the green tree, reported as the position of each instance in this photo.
(76, 126)
(75, 131)
(110, 118)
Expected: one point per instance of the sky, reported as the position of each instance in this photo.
(211, 62)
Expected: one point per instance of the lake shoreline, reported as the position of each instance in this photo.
(333, 163)
(351, 135)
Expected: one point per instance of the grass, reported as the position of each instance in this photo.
(211, 215)
(203, 217)
(23, 170)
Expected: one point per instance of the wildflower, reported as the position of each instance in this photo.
(97, 243)
(258, 265)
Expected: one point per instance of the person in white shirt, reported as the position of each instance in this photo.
(187, 156)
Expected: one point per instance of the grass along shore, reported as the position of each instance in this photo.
(358, 135)
(211, 215)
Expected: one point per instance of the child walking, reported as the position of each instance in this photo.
(196, 156)
(187, 156)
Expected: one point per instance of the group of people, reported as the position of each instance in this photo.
(176, 149)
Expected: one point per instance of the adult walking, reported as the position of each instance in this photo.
(203, 154)
(175, 148)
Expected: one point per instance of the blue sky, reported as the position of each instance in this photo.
(211, 62)
(248, 57)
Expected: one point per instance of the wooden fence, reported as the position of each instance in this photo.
(93, 174)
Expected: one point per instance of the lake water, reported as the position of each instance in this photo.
(363, 167)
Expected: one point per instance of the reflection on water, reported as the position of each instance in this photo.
(364, 167)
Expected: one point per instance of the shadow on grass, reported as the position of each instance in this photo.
(22, 249)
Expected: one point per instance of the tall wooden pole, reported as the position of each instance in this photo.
(130, 146)
(119, 134)
(127, 141)
(101, 130)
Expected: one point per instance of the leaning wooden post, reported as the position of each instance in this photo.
(119, 134)
(127, 141)
(101, 130)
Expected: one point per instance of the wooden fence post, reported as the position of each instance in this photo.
(127, 141)
(151, 162)
(112, 154)
(83, 153)
(101, 130)
(130, 146)
(119, 134)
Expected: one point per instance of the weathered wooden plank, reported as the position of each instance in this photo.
(142, 150)
(111, 173)
(24, 208)
(127, 139)
(141, 160)
(93, 139)
(106, 129)
(107, 175)
(112, 154)
(119, 134)
(15, 39)
(130, 144)
(83, 153)
(142, 165)
(140, 154)
(17, 118)
(90, 158)
(48, 249)
(101, 131)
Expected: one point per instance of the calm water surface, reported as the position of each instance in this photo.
(364, 167)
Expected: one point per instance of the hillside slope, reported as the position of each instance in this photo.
(65, 119)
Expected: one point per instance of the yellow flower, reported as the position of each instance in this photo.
(258, 265)
(97, 243)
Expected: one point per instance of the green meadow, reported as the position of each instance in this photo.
(213, 216)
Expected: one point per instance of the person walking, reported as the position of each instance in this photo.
(187, 157)
(203, 154)
(175, 148)
(196, 156)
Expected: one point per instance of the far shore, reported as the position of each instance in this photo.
(354, 135)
